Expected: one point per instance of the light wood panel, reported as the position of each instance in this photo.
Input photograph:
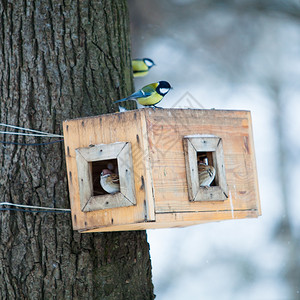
(106, 129)
(168, 161)
(160, 179)
(180, 220)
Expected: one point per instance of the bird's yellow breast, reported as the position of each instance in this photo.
(153, 99)
(139, 65)
(139, 68)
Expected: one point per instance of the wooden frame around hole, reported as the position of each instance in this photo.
(205, 143)
(85, 156)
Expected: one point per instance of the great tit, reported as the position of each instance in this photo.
(141, 67)
(150, 94)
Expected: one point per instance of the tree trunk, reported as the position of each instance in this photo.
(61, 59)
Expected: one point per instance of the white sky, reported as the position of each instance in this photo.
(199, 262)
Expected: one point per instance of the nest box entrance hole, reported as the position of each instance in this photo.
(206, 182)
(96, 168)
(91, 161)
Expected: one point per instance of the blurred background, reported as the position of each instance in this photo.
(242, 55)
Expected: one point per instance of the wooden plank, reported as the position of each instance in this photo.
(147, 179)
(178, 220)
(191, 168)
(101, 151)
(85, 182)
(210, 193)
(203, 142)
(218, 158)
(106, 202)
(70, 145)
(126, 173)
(249, 148)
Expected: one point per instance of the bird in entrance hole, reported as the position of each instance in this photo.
(150, 94)
(142, 66)
(109, 181)
(206, 174)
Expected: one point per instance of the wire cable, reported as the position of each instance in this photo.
(29, 134)
(36, 132)
(36, 207)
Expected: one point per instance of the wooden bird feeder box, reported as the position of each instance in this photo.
(156, 155)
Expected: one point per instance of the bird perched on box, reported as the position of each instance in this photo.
(150, 94)
(109, 181)
(141, 67)
(206, 174)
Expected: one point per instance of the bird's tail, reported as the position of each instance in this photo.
(125, 99)
(121, 100)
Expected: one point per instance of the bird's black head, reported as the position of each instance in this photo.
(163, 87)
(149, 62)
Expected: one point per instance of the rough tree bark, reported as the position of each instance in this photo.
(61, 59)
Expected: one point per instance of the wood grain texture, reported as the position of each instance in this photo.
(178, 220)
(191, 166)
(147, 179)
(166, 128)
(101, 152)
(160, 177)
(85, 180)
(205, 144)
(126, 173)
(210, 193)
(106, 202)
(106, 129)
(218, 158)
